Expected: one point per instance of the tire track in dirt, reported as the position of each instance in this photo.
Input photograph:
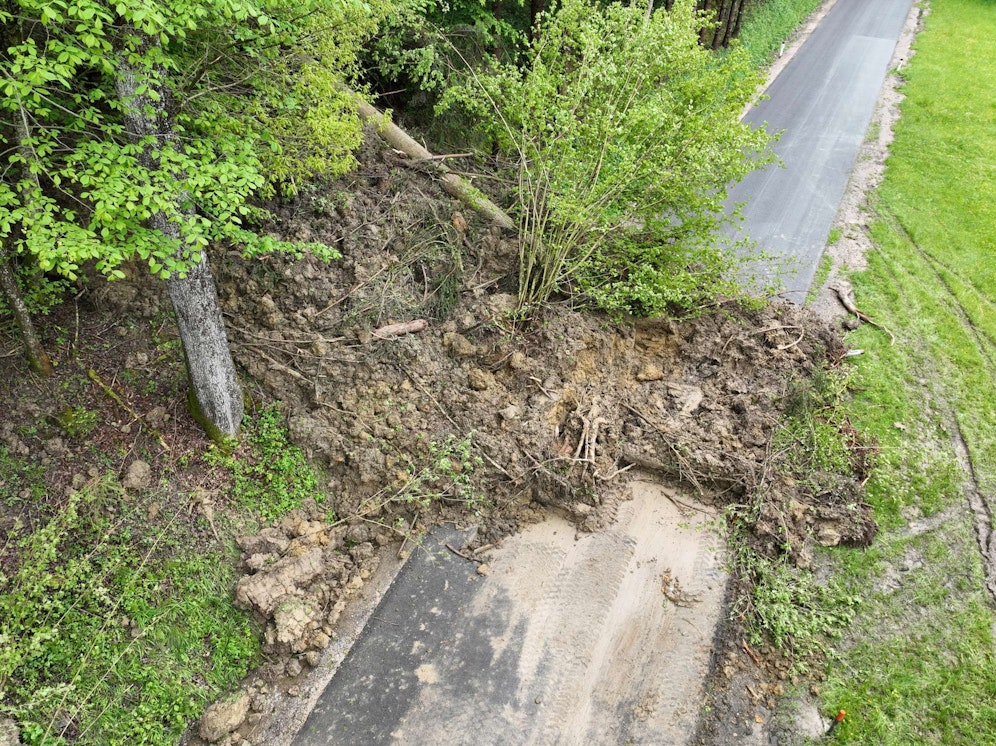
(573, 639)
(979, 502)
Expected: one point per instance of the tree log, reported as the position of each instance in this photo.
(454, 185)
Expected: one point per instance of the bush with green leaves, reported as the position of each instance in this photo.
(625, 134)
(106, 637)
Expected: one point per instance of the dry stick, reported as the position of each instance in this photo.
(113, 396)
(396, 330)
(454, 185)
(846, 297)
(458, 553)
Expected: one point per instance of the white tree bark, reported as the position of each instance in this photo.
(194, 296)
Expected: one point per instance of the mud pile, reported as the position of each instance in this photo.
(557, 412)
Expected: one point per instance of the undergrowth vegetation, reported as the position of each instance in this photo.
(106, 637)
(782, 602)
(271, 476)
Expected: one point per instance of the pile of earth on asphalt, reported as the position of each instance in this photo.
(554, 413)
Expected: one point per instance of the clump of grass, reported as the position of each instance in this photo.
(815, 435)
(106, 639)
(271, 475)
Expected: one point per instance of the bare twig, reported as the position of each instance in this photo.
(458, 553)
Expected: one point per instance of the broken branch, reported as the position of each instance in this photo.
(396, 330)
(845, 294)
(454, 185)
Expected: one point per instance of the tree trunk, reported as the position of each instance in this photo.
(215, 387)
(37, 357)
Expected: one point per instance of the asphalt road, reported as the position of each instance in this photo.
(568, 639)
(822, 103)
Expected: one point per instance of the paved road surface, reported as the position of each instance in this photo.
(596, 639)
(822, 103)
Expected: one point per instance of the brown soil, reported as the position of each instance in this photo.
(558, 410)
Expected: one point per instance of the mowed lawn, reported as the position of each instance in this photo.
(919, 665)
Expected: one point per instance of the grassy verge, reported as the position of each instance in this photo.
(117, 623)
(769, 23)
(919, 666)
(108, 634)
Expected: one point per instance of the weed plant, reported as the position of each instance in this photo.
(107, 639)
(271, 476)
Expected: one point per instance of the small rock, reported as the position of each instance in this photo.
(313, 658)
(293, 668)
(483, 569)
(320, 640)
(517, 361)
(479, 380)
(828, 536)
(138, 475)
(294, 691)
(136, 359)
(224, 716)
(650, 372)
(157, 416)
(511, 412)
(9, 733)
(258, 703)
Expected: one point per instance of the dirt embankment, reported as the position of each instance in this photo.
(476, 416)
(554, 414)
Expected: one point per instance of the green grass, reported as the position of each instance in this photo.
(769, 23)
(920, 668)
(108, 636)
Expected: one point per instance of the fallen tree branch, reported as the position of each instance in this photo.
(396, 330)
(845, 294)
(113, 396)
(454, 185)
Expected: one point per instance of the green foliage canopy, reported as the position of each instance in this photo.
(249, 90)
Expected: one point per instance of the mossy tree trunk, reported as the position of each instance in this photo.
(194, 297)
(37, 357)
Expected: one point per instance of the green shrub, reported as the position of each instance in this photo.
(624, 133)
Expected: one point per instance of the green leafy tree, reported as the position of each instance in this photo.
(625, 133)
(141, 129)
